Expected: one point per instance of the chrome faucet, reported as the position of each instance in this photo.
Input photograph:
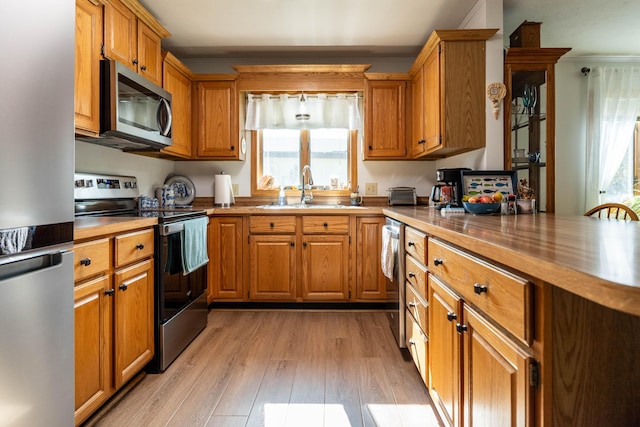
(303, 197)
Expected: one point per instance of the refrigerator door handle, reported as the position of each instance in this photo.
(30, 265)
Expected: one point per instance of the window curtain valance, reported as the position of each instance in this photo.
(285, 111)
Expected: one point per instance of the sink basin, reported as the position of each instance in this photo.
(300, 206)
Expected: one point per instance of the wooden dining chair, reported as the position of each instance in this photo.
(613, 211)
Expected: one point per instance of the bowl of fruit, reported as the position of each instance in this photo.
(486, 204)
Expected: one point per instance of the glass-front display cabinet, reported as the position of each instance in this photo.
(529, 116)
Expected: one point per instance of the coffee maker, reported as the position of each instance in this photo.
(448, 191)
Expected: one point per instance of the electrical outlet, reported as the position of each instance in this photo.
(235, 189)
(371, 189)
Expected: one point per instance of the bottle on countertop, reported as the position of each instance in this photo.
(282, 200)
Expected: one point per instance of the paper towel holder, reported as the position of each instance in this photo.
(223, 191)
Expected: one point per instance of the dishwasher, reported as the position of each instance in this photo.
(393, 244)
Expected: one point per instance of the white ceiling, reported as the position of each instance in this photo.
(245, 28)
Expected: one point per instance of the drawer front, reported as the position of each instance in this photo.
(417, 306)
(90, 259)
(267, 224)
(325, 224)
(132, 247)
(503, 296)
(417, 344)
(415, 244)
(416, 275)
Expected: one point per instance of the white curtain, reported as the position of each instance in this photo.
(282, 111)
(613, 104)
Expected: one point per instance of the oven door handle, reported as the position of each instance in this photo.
(166, 229)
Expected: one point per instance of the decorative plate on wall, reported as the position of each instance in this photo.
(183, 189)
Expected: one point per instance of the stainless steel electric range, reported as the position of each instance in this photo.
(180, 300)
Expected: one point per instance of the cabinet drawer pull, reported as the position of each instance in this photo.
(437, 262)
(413, 304)
(478, 288)
(86, 262)
(140, 246)
(410, 244)
(325, 225)
(422, 141)
(123, 287)
(461, 328)
(412, 275)
(271, 225)
(109, 292)
(451, 316)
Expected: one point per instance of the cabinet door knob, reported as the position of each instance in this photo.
(437, 262)
(371, 147)
(123, 287)
(412, 275)
(140, 246)
(233, 147)
(304, 244)
(292, 244)
(461, 328)
(135, 62)
(422, 141)
(109, 292)
(478, 288)
(86, 262)
(410, 244)
(143, 68)
(412, 342)
(412, 304)
(451, 316)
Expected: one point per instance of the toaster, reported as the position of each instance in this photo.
(402, 196)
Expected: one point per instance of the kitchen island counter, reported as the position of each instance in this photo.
(593, 258)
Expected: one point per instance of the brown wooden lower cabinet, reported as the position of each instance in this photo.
(113, 312)
(445, 309)
(227, 241)
(496, 376)
(371, 283)
(133, 320)
(325, 275)
(272, 266)
(93, 311)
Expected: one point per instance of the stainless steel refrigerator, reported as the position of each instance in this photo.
(36, 213)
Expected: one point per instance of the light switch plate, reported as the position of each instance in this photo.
(235, 189)
(371, 189)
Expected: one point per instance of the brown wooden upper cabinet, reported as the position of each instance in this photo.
(448, 94)
(132, 36)
(216, 128)
(87, 67)
(384, 116)
(176, 79)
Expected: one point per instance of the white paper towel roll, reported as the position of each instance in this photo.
(223, 191)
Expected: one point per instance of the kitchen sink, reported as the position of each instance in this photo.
(301, 206)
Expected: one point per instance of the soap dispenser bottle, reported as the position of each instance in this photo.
(281, 198)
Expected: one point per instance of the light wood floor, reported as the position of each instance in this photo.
(283, 369)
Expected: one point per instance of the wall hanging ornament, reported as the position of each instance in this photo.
(496, 92)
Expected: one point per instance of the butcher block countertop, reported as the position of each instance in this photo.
(97, 226)
(597, 259)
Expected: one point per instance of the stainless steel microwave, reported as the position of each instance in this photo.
(135, 113)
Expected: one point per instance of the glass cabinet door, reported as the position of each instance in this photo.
(529, 121)
(528, 133)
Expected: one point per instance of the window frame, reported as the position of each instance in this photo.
(256, 167)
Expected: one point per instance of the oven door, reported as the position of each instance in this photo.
(175, 290)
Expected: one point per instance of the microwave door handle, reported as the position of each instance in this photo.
(164, 130)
